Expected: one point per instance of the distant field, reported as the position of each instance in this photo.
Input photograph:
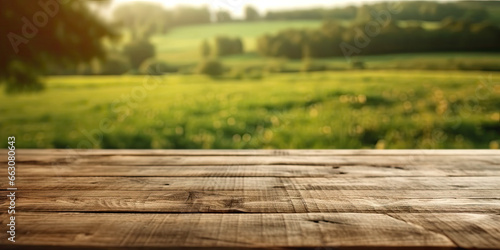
(181, 45)
(351, 109)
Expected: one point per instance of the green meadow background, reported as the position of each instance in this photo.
(345, 109)
(397, 101)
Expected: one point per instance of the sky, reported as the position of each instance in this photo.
(236, 6)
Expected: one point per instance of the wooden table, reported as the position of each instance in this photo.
(107, 199)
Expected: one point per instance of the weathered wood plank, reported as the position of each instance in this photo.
(256, 183)
(222, 230)
(268, 201)
(465, 230)
(31, 170)
(154, 160)
(256, 198)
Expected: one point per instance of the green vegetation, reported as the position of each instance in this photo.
(251, 14)
(404, 74)
(380, 35)
(407, 10)
(115, 64)
(350, 109)
(144, 19)
(43, 34)
(182, 45)
(225, 46)
(211, 68)
(138, 51)
(174, 36)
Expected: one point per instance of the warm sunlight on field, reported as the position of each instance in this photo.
(372, 109)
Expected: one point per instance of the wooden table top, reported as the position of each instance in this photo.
(319, 199)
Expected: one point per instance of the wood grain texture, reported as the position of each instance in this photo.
(401, 170)
(317, 199)
(263, 201)
(256, 183)
(465, 230)
(159, 160)
(224, 230)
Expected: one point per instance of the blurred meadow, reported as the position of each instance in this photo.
(197, 77)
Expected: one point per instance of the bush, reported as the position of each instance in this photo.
(22, 78)
(211, 68)
(154, 67)
(205, 49)
(115, 65)
(139, 51)
(356, 64)
(228, 46)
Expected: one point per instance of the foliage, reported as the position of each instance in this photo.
(138, 51)
(143, 19)
(251, 14)
(357, 64)
(22, 78)
(187, 15)
(182, 45)
(453, 35)
(211, 68)
(348, 13)
(47, 33)
(223, 16)
(205, 49)
(408, 10)
(155, 67)
(228, 46)
(435, 11)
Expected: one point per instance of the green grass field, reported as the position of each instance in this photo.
(346, 109)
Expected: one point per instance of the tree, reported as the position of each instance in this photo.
(228, 46)
(251, 13)
(223, 16)
(139, 51)
(187, 15)
(47, 32)
(205, 49)
(143, 19)
(363, 14)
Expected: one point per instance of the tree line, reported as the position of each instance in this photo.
(39, 38)
(410, 10)
(371, 38)
(144, 19)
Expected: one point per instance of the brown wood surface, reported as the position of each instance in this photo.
(318, 199)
